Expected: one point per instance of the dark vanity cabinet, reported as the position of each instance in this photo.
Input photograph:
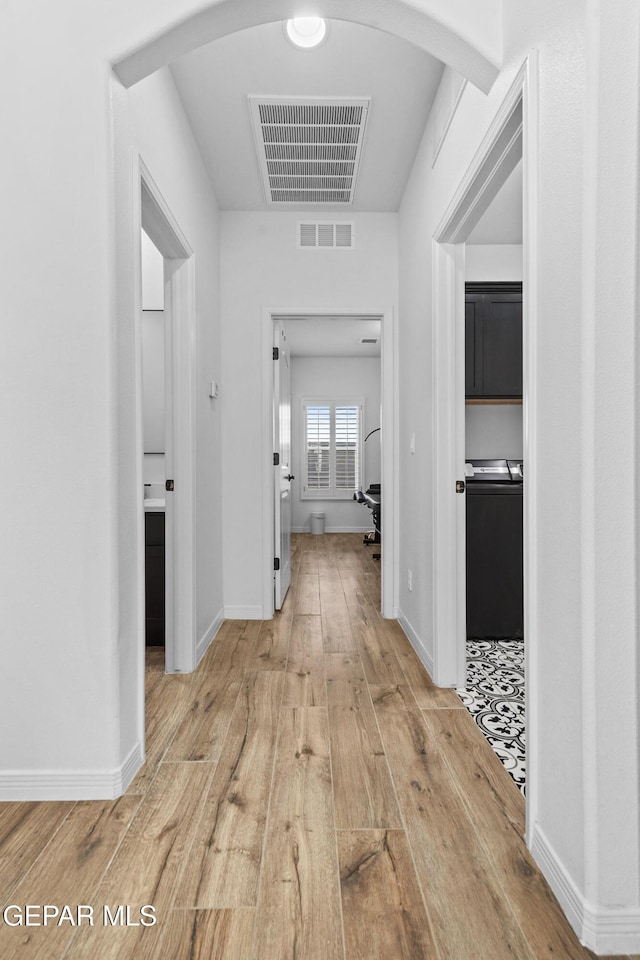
(493, 341)
(154, 578)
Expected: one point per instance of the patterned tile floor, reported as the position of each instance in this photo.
(494, 696)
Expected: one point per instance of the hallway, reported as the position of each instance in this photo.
(308, 793)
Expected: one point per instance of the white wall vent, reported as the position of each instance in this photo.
(309, 149)
(326, 234)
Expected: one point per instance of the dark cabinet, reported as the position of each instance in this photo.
(154, 578)
(493, 340)
(494, 561)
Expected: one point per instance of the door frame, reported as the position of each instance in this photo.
(284, 568)
(389, 462)
(512, 134)
(155, 216)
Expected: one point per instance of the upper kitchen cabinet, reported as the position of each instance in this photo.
(493, 341)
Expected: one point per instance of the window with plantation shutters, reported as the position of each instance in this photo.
(318, 448)
(332, 448)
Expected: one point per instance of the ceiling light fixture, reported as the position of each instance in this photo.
(306, 32)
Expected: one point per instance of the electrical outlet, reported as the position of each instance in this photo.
(410, 579)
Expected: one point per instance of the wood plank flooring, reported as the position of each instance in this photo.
(309, 794)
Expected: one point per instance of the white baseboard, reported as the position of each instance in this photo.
(305, 529)
(605, 930)
(243, 613)
(561, 883)
(425, 657)
(349, 529)
(205, 641)
(71, 784)
(131, 765)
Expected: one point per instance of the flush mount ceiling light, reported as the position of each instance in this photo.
(306, 32)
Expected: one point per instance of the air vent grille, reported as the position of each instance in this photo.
(334, 153)
(309, 150)
(327, 235)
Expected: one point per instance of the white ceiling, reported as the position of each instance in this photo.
(502, 220)
(331, 336)
(215, 81)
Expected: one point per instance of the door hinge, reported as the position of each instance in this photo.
(276, 563)
(276, 353)
(276, 459)
(168, 485)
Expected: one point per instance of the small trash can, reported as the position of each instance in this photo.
(317, 523)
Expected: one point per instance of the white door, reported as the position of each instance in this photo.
(282, 464)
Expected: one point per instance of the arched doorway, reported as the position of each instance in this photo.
(442, 29)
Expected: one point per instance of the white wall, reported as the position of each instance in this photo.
(426, 199)
(608, 324)
(58, 591)
(166, 145)
(337, 377)
(74, 689)
(152, 270)
(153, 417)
(153, 347)
(493, 431)
(262, 268)
(499, 262)
(583, 679)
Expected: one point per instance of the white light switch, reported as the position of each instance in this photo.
(412, 443)
(213, 389)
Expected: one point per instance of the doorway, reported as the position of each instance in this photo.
(333, 400)
(155, 394)
(493, 692)
(510, 139)
(173, 481)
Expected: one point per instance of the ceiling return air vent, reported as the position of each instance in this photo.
(309, 149)
(326, 234)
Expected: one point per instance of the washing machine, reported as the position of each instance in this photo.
(494, 548)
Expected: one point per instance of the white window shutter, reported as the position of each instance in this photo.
(332, 446)
(347, 447)
(318, 447)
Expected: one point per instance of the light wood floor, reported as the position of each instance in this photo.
(308, 795)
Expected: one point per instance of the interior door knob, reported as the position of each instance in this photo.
(290, 477)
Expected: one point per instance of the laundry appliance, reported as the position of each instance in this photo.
(494, 548)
